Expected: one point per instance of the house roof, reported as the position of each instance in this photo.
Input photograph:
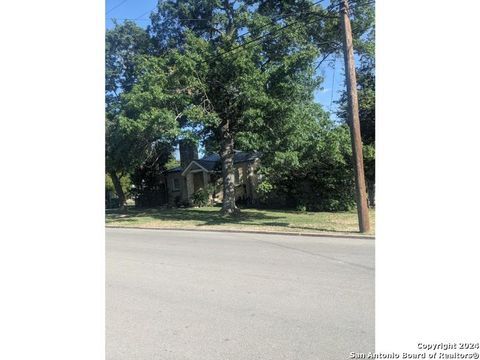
(175, 169)
(240, 156)
(209, 165)
(212, 162)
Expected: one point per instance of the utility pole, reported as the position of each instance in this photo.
(354, 119)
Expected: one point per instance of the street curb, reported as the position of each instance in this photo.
(325, 234)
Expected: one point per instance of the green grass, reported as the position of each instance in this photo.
(248, 219)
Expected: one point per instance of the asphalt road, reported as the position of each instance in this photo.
(226, 296)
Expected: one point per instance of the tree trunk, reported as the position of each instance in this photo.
(118, 189)
(228, 171)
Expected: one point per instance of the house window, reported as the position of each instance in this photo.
(176, 184)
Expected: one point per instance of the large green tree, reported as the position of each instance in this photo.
(139, 125)
(122, 44)
(247, 66)
(236, 73)
(312, 169)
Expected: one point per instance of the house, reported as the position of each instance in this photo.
(195, 174)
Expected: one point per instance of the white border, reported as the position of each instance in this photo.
(52, 256)
(52, 182)
(428, 183)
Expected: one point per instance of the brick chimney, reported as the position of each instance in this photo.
(188, 152)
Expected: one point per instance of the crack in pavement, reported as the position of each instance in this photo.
(319, 255)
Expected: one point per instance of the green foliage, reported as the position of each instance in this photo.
(197, 79)
(301, 208)
(171, 164)
(363, 26)
(141, 124)
(236, 92)
(123, 44)
(366, 101)
(109, 183)
(201, 198)
(124, 180)
(313, 172)
(369, 161)
(264, 188)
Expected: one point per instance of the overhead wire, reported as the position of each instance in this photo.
(275, 18)
(259, 38)
(332, 6)
(256, 39)
(273, 33)
(140, 17)
(269, 34)
(116, 6)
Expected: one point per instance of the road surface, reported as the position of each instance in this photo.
(228, 296)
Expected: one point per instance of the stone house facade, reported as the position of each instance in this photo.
(195, 174)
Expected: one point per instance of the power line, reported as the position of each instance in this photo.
(145, 13)
(145, 19)
(259, 38)
(274, 33)
(262, 36)
(189, 19)
(275, 18)
(116, 6)
(139, 18)
(265, 35)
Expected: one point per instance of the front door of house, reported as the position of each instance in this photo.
(198, 181)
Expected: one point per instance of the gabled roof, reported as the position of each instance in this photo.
(211, 162)
(211, 157)
(240, 156)
(209, 165)
(193, 163)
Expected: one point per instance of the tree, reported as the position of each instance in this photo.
(140, 123)
(146, 126)
(126, 184)
(239, 86)
(234, 73)
(122, 44)
(312, 170)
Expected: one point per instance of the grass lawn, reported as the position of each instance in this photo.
(249, 219)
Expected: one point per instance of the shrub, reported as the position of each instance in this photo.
(201, 198)
(301, 208)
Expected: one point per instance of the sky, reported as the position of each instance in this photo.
(141, 9)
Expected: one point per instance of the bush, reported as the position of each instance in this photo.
(316, 175)
(201, 198)
(301, 208)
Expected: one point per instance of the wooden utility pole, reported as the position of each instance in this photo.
(354, 120)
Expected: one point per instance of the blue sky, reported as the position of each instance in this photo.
(140, 10)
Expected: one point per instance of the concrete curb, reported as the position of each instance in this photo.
(323, 234)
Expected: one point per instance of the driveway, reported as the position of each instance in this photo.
(228, 296)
